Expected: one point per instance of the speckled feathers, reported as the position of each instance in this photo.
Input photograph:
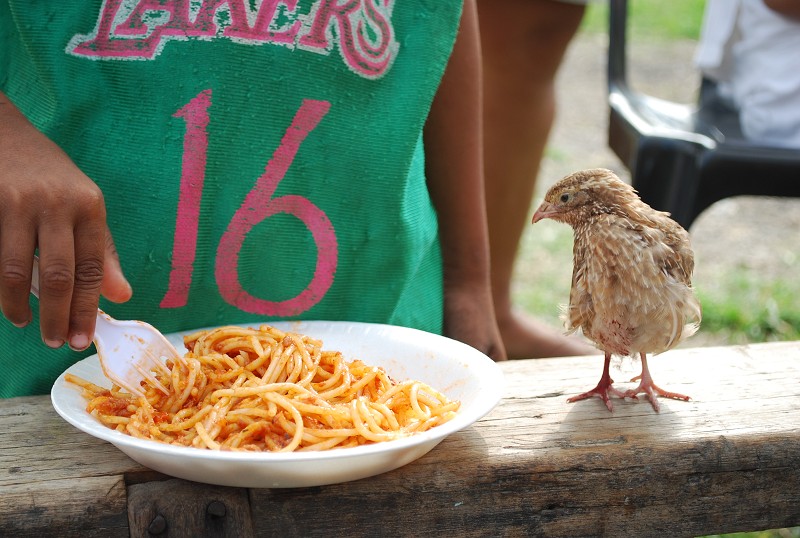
(631, 282)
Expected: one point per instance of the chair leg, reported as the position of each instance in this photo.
(665, 174)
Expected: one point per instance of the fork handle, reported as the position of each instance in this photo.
(35, 277)
(102, 326)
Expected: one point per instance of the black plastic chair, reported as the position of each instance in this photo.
(683, 158)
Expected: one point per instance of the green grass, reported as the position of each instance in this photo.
(776, 533)
(740, 306)
(746, 308)
(676, 19)
(544, 270)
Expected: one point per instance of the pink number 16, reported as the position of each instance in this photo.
(257, 206)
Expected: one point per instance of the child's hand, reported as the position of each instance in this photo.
(469, 318)
(46, 202)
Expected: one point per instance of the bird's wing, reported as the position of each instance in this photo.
(678, 259)
(641, 253)
(580, 311)
(607, 265)
(640, 279)
(681, 264)
(615, 252)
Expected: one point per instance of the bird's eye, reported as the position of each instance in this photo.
(564, 198)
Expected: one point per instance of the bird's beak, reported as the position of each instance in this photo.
(545, 211)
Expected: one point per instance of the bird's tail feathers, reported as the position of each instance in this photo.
(682, 312)
(566, 317)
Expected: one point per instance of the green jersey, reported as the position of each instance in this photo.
(260, 159)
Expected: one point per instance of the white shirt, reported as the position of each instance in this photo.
(754, 54)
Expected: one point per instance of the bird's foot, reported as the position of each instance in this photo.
(653, 391)
(603, 390)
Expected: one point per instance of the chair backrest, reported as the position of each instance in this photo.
(682, 158)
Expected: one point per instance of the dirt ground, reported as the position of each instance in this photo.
(752, 232)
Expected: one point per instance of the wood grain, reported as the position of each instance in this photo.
(188, 509)
(726, 461)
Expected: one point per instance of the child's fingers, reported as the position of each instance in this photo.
(56, 280)
(17, 245)
(89, 240)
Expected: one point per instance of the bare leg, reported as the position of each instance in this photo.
(649, 388)
(523, 45)
(603, 388)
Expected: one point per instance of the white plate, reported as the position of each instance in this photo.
(456, 369)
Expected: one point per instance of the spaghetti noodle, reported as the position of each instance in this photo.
(268, 390)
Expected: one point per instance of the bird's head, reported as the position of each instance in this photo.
(583, 194)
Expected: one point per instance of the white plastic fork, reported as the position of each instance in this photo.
(128, 350)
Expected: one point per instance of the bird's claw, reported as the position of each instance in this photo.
(653, 391)
(602, 391)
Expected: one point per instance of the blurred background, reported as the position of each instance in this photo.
(746, 248)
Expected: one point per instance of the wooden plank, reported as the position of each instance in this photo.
(727, 461)
(586, 495)
(38, 445)
(180, 508)
(92, 506)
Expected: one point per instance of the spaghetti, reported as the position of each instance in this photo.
(268, 390)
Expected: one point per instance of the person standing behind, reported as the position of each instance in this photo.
(523, 44)
(751, 50)
(251, 161)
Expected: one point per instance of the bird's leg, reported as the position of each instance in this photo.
(649, 388)
(603, 388)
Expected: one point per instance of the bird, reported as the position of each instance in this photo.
(631, 292)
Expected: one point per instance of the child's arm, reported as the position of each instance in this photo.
(453, 146)
(46, 202)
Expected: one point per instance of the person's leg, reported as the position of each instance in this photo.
(523, 44)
